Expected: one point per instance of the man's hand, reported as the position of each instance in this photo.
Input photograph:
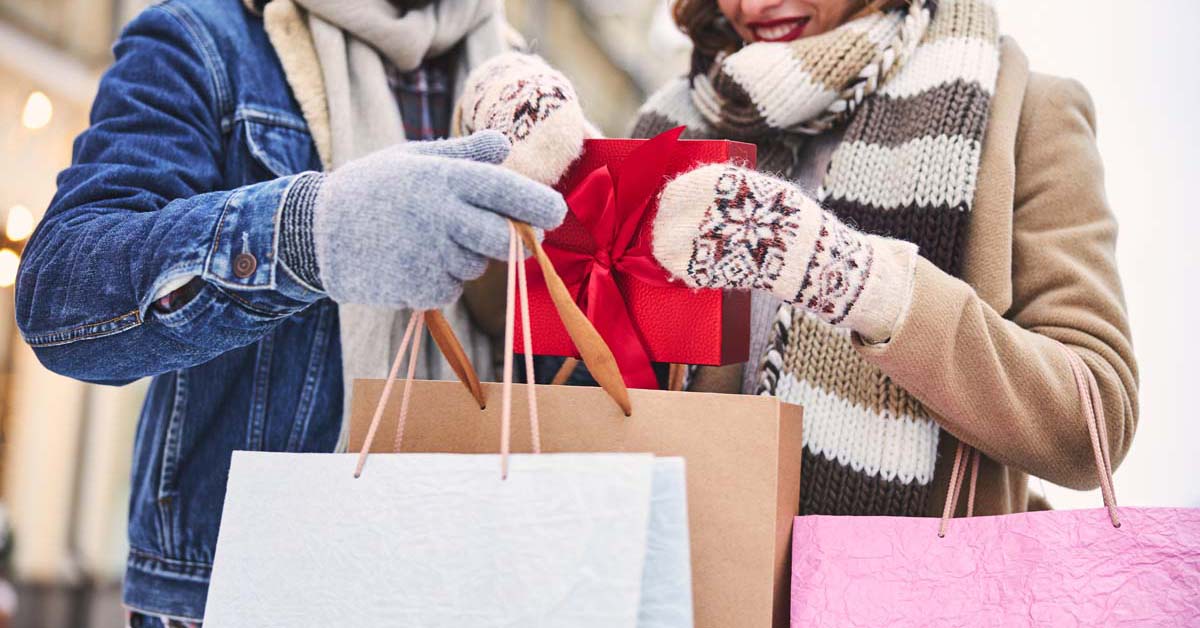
(404, 227)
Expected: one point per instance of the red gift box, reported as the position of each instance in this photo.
(603, 253)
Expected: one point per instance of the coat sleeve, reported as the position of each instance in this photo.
(999, 381)
(141, 211)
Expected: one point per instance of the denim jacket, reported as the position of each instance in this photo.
(195, 138)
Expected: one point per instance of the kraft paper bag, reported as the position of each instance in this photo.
(441, 540)
(743, 469)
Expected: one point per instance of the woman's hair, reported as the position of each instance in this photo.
(710, 32)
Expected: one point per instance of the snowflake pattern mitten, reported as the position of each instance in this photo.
(532, 104)
(723, 226)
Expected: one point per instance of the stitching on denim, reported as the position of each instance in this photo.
(253, 309)
(208, 51)
(316, 368)
(268, 116)
(80, 332)
(212, 251)
(170, 462)
(153, 613)
(256, 434)
(262, 155)
(216, 279)
(181, 567)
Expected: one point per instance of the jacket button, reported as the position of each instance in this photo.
(244, 265)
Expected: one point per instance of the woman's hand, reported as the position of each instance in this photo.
(723, 226)
(534, 106)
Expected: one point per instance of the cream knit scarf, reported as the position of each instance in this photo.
(911, 89)
(353, 41)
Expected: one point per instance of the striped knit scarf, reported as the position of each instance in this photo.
(912, 88)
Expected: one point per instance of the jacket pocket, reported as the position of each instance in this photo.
(272, 145)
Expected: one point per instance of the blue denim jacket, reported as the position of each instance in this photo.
(194, 140)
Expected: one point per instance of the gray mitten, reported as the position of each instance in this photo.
(404, 227)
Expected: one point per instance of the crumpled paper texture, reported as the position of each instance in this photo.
(1053, 568)
(439, 540)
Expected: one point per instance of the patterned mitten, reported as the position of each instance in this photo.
(532, 104)
(722, 226)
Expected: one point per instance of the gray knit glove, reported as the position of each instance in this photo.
(404, 227)
(723, 226)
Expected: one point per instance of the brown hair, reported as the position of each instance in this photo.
(710, 32)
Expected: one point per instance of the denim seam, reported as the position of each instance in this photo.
(85, 331)
(170, 455)
(251, 308)
(207, 47)
(159, 614)
(157, 564)
(256, 434)
(263, 115)
(261, 154)
(316, 367)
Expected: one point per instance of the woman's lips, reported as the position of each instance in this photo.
(785, 29)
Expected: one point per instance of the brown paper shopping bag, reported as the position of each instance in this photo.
(742, 456)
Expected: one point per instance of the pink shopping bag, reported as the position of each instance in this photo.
(1095, 567)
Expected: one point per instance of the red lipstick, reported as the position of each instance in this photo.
(782, 29)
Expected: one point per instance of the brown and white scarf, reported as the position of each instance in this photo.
(911, 90)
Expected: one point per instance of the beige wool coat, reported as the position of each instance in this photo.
(1040, 269)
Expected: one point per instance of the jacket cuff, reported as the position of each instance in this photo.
(244, 254)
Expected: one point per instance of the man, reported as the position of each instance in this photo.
(245, 222)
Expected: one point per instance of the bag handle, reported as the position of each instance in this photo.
(443, 336)
(1093, 412)
(517, 290)
(595, 352)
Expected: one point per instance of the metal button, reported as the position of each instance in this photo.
(244, 265)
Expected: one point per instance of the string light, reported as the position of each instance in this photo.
(19, 223)
(9, 261)
(37, 112)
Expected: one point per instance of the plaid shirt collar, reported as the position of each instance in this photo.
(424, 98)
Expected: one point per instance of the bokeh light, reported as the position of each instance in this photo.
(9, 261)
(37, 112)
(19, 223)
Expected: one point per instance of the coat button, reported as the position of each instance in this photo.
(244, 265)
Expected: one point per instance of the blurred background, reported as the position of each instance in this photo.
(65, 446)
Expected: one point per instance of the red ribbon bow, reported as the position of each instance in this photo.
(610, 203)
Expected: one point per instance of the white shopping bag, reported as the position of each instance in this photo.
(452, 540)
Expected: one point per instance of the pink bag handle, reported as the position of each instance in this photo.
(517, 288)
(1093, 412)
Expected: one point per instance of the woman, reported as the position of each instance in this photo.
(933, 230)
(956, 234)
